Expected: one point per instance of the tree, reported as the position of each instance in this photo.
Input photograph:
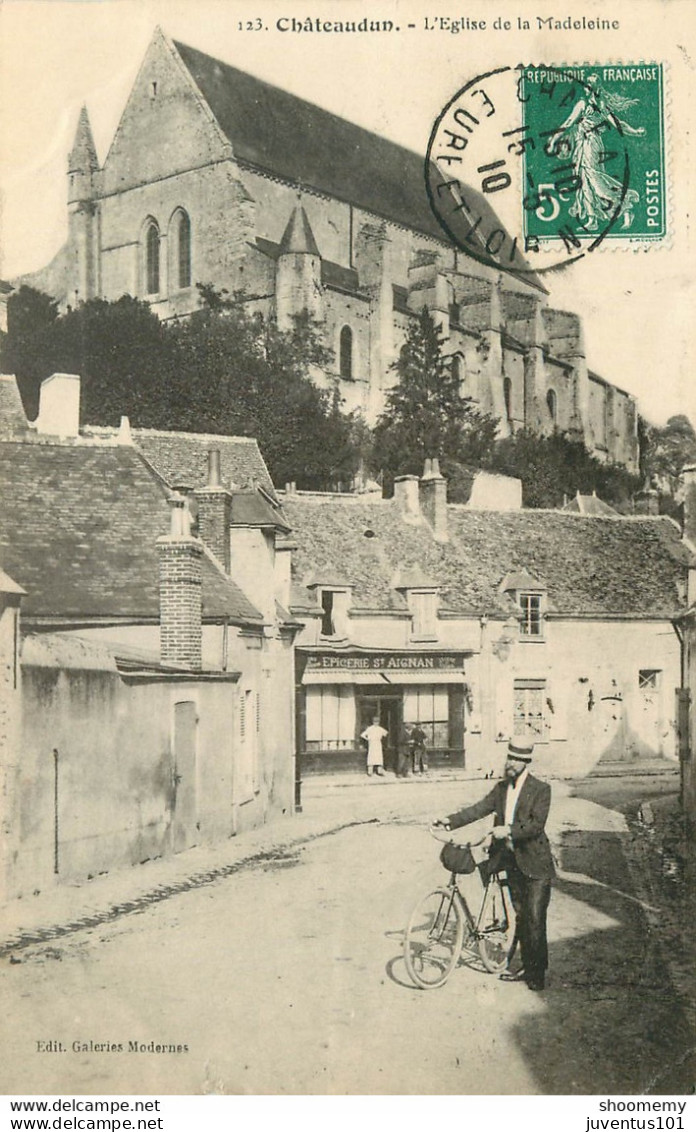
(555, 467)
(425, 414)
(665, 452)
(222, 370)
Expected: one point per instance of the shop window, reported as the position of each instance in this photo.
(428, 706)
(529, 705)
(649, 679)
(152, 259)
(346, 353)
(423, 606)
(531, 621)
(330, 718)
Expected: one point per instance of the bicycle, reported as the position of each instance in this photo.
(435, 934)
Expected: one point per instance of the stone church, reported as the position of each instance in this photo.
(214, 176)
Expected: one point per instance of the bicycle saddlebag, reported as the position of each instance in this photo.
(457, 858)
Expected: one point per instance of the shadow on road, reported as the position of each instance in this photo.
(612, 1022)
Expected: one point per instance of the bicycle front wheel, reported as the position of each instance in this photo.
(496, 928)
(434, 938)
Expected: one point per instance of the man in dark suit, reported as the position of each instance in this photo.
(520, 803)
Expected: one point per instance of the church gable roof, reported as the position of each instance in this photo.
(290, 138)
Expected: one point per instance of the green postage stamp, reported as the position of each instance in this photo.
(594, 162)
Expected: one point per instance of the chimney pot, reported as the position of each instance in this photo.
(59, 405)
(406, 495)
(214, 467)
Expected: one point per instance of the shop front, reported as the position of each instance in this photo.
(339, 694)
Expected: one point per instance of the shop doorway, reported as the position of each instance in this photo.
(388, 710)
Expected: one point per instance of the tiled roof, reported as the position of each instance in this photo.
(181, 458)
(78, 530)
(590, 566)
(250, 509)
(290, 138)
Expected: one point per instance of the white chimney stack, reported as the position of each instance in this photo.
(59, 405)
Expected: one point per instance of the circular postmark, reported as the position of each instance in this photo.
(527, 167)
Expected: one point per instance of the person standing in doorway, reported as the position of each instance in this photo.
(420, 753)
(374, 735)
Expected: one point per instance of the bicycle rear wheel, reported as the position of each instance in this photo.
(434, 937)
(496, 927)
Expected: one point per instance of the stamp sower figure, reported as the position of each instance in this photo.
(520, 803)
(420, 754)
(373, 736)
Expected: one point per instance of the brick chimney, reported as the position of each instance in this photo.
(59, 405)
(180, 582)
(406, 495)
(433, 498)
(214, 506)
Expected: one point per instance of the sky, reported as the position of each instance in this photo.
(55, 56)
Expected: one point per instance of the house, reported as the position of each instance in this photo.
(149, 701)
(548, 627)
(216, 177)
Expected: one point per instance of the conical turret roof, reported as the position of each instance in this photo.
(83, 154)
(298, 237)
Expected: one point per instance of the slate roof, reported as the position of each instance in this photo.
(78, 530)
(295, 140)
(629, 567)
(250, 509)
(181, 458)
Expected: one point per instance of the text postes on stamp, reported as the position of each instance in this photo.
(531, 167)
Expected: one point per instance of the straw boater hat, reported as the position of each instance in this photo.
(522, 754)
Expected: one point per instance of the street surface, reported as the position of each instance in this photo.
(287, 977)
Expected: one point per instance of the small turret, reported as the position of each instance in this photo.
(298, 273)
(82, 162)
(83, 168)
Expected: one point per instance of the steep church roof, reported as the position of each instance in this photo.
(284, 135)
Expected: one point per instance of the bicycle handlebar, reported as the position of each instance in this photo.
(445, 835)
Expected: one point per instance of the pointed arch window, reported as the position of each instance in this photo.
(507, 396)
(552, 405)
(457, 368)
(152, 259)
(183, 249)
(346, 353)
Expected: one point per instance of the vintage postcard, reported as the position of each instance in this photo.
(348, 476)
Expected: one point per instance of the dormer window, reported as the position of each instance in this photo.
(328, 628)
(529, 594)
(423, 607)
(334, 605)
(531, 621)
